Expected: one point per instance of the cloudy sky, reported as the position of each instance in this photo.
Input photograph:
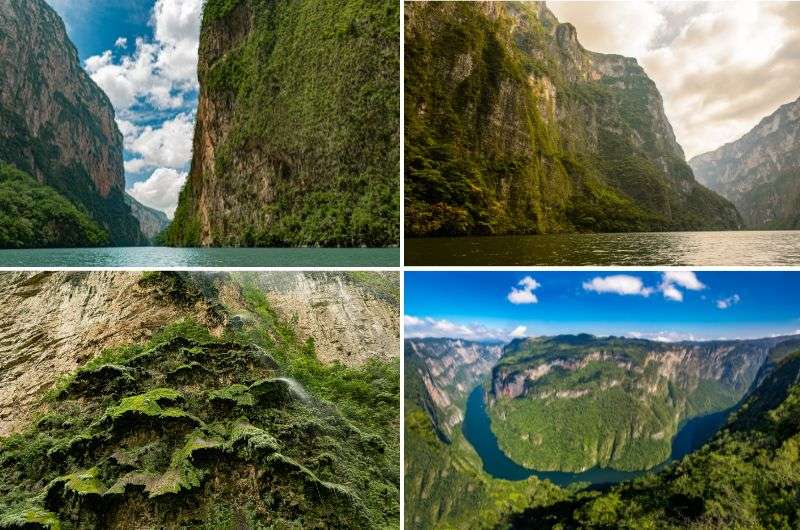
(143, 54)
(661, 306)
(720, 66)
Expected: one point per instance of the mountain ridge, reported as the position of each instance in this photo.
(760, 171)
(446, 486)
(297, 134)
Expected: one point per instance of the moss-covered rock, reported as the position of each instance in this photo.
(184, 432)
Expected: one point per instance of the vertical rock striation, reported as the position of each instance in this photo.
(512, 127)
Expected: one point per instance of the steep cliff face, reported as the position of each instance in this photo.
(617, 402)
(352, 317)
(71, 318)
(513, 127)
(297, 135)
(445, 485)
(177, 400)
(760, 172)
(151, 221)
(34, 215)
(55, 123)
(52, 323)
(449, 369)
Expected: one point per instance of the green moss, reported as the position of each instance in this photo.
(27, 515)
(236, 394)
(219, 9)
(84, 482)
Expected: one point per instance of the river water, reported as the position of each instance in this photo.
(739, 248)
(160, 257)
(477, 430)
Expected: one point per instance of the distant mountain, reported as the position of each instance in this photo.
(297, 141)
(151, 221)
(56, 124)
(760, 172)
(512, 127)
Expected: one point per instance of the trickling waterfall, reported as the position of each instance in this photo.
(296, 388)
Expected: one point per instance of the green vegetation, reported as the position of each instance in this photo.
(445, 486)
(244, 430)
(380, 285)
(773, 205)
(35, 215)
(312, 154)
(748, 476)
(502, 138)
(601, 402)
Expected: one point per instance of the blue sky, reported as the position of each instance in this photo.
(662, 306)
(143, 54)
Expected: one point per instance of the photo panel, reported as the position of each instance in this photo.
(601, 399)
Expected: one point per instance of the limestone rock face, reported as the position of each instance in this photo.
(55, 122)
(151, 221)
(513, 127)
(760, 172)
(449, 369)
(52, 323)
(349, 320)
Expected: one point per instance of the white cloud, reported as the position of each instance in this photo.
(625, 28)
(663, 336)
(121, 42)
(725, 303)
(159, 72)
(409, 321)
(670, 292)
(685, 279)
(161, 190)
(519, 332)
(671, 280)
(169, 145)
(622, 284)
(720, 66)
(419, 327)
(627, 285)
(524, 295)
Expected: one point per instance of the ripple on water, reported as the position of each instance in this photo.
(158, 257)
(735, 248)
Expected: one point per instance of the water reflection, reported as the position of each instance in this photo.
(201, 257)
(740, 248)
